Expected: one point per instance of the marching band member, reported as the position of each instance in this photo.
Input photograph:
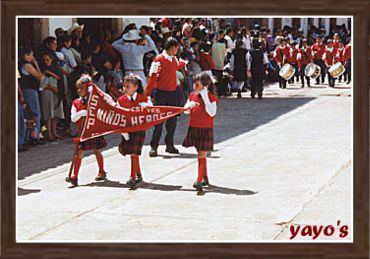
(132, 143)
(318, 51)
(293, 60)
(304, 57)
(282, 57)
(203, 102)
(347, 59)
(78, 113)
(328, 57)
(340, 58)
(336, 40)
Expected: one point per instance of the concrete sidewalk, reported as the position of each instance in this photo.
(292, 168)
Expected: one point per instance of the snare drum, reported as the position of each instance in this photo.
(312, 71)
(287, 71)
(336, 70)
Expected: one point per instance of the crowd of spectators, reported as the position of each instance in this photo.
(47, 75)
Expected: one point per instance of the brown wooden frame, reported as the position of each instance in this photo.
(360, 9)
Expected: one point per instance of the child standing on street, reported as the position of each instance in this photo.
(132, 143)
(78, 112)
(203, 103)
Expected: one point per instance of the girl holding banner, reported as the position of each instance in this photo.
(203, 102)
(78, 115)
(132, 143)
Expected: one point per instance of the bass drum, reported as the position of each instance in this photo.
(312, 71)
(336, 70)
(287, 71)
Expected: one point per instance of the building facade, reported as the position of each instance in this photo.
(31, 31)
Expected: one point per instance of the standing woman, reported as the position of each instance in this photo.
(52, 105)
(203, 102)
(30, 79)
(132, 143)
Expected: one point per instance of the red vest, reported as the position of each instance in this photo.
(305, 57)
(282, 56)
(330, 56)
(125, 102)
(293, 56)
(79, 105)
(318, 50)
(347, 52)
(199, 118)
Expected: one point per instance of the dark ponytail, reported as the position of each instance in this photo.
(206, 80)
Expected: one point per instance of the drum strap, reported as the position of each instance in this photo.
(281, 54)
(331, 56)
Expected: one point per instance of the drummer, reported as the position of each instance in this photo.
(329, 58)
(282, 57)
(293, 60)
(340, 58)
(304, 58)
(318, 51)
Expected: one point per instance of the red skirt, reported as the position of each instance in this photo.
(93, 144)
(200, 138)
(134, 145)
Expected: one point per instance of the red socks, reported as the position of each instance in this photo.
(202, 169)
(100, 160)
(76, 167)
(135, 167)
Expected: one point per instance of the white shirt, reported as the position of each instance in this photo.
(229, 43)
(246, 43)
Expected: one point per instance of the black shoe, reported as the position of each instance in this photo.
(302, 86)
(172, 150)
(317, 83)
(139, 179)
(73, 181)
(101, 177)
(198, 186)
(131, 182)
(205, 181)
(239, 95)
(253, 96)
(153, 152)
(348, 83)
(260, 97)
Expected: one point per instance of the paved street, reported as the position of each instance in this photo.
(279, 162)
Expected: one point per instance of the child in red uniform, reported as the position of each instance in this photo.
(132, 143)
(79, 107)
(203, 102)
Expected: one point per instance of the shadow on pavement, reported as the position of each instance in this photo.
(168, 188)
(234, 117)
(185, 156)
(22, 192)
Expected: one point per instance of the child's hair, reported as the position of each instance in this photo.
(206, 80)
(135, 80)
(84, 79)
